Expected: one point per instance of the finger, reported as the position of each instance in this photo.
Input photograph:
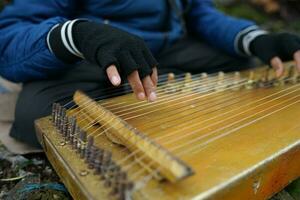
(136, 85)
(277, 64)
(144, 67)
(154, 76)
(113, 75)
(297, 59)
(149, 88)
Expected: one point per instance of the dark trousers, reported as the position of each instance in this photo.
(35, 100)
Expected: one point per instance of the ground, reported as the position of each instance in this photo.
(29, 177)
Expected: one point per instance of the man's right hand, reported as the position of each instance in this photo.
(120, 53)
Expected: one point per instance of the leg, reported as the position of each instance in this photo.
(195, 56)
(36, 98)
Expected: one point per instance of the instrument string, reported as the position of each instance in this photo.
(238, 108)
(212, 105)
(185, 135)
(163, 96)
(103, 131)
(126, 157)
(141, 102)
(125, 87)
(247, 124)
(191, 86)
(143, 181)
(196, 109)
(236, 122)
(181, 96)
(188, 150)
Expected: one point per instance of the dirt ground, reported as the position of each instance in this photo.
(29, 177)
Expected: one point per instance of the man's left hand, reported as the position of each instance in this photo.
(275, 48)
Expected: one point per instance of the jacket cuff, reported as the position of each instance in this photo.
(244, 39)
(61, 43)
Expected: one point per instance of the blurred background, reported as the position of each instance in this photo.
(274, 15)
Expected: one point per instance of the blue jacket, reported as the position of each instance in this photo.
(24, 55)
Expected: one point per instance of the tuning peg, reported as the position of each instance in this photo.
(220, 86)
(187, 87)
(251, 80)
(171, 78)
(203, 83)
(170, 86)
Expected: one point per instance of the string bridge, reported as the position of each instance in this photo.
(169, 166)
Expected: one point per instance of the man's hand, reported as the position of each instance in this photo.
(142, 88)
(120, 53)
(273, 49)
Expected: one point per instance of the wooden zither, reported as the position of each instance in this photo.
(220, 136)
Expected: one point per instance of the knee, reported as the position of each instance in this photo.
(31, 105)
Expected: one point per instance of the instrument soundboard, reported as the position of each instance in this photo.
(227, 136)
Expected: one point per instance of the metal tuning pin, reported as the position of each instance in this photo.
(62, 121)
(170, 86)
(58, 115)
(83, 141)
(92, 157)
(106, 160)
(236, 81)
(90, 143)
(250, 84)
(97, 162)
(79, 141)
(220, 86)
(71, 128)
(73, 137)
(54, 113)
(187, 85)
(123, 187)
(65, 126)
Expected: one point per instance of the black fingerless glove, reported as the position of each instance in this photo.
(102, 45)
(283, 45)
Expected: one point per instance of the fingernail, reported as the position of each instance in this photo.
(115, 80)
(152, 96)
(141, 96)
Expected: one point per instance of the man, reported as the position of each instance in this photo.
(58, 46)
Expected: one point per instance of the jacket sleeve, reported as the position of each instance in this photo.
(24, 25)
(215, 27)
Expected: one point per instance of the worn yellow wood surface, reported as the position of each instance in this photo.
(242, 144)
